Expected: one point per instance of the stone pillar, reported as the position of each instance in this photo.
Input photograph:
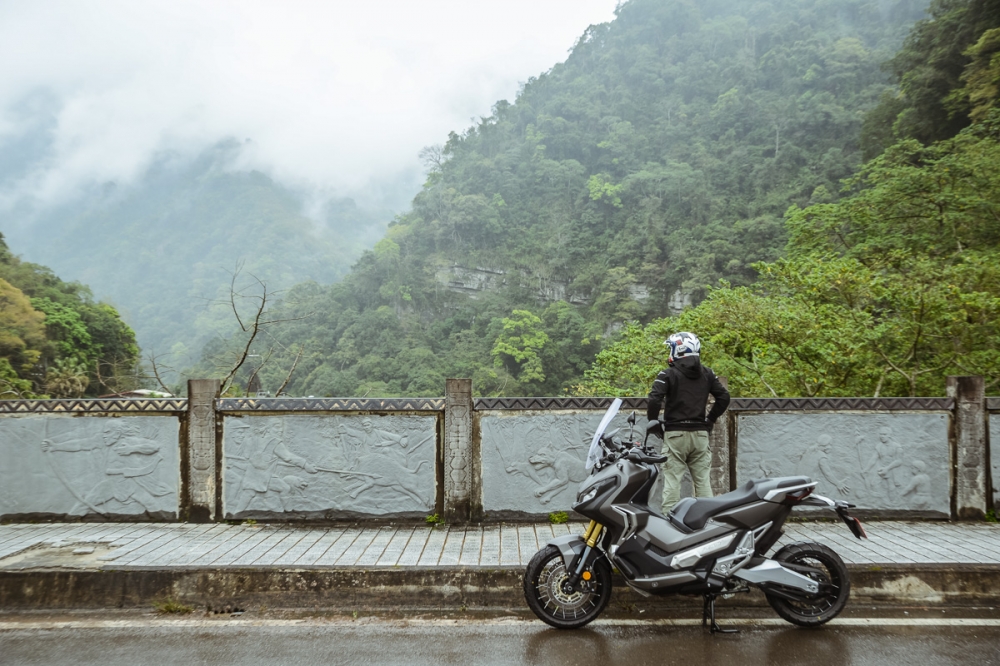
(969, 446)
(201, 446)
(458, 458)
(718, 441)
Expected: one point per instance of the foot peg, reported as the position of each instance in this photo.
(708, 617)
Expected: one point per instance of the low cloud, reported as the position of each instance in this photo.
(332, 96)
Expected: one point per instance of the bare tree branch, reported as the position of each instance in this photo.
(253, 375)
(156, 373)
(288, 377)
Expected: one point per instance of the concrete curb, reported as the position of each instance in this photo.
(431, 589)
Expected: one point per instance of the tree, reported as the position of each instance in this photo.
(22, 337)
(882, 293)
(521, 341)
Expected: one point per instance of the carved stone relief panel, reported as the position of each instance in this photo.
(533, 461)
(78, 466)
(328, 465)
(995, 457)
(876, 461)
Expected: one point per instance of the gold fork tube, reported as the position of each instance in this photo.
(593, 531)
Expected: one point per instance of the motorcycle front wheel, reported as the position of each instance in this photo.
(554, 602)
(834, 585)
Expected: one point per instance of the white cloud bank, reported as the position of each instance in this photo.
(332, 94)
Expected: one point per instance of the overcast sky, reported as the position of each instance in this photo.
(332, 94)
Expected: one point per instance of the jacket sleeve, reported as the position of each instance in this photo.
(721, 398)
(656, 395)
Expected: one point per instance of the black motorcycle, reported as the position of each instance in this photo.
(707, 547)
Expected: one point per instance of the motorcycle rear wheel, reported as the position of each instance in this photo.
(831, 574)
(543, 590)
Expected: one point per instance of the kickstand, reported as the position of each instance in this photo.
(708, 616)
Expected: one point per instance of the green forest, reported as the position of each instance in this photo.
(55, 340)
(896, 285)
(660, 158)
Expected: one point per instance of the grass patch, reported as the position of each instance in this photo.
(433, 520)
(172, 606)
(558, 517)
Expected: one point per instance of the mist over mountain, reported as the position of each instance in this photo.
(162, 249)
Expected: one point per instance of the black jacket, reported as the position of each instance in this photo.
(685, 387)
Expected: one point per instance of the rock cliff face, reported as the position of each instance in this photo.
(473, 281)
(678, 301)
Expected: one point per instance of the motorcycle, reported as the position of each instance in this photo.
(708, 547)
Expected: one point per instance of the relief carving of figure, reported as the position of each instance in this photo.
(370, 466)
(884, 465)
(369, 438)
(825, 465)
(261, 474)
(517, 466)
(129, 460)
(565, 467)
(919, 487)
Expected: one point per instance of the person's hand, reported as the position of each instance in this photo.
(309, 467)
(46, 446)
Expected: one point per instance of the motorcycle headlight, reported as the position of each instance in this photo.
(590, 493)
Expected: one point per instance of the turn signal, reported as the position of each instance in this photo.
(586, 575)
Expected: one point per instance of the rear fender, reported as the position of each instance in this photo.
(841, 507)
(570, 546)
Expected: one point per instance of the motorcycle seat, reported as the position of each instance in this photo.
(694, 513)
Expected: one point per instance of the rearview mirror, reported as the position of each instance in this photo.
(631, 418)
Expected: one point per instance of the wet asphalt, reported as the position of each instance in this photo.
(494, 641)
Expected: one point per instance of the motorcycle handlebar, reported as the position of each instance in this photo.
(635, 455)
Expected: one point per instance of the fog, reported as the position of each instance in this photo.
(330, 97)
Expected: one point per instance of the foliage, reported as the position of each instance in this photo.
(521, 341)
(884, 293)
(657, 159)
(66, 378)
(172, 606)
(558, 517)
(22, 329)
(950, 48)
(55, 339)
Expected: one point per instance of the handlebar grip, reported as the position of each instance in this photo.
(639, 456)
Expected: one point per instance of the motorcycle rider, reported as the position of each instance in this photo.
(685, 387)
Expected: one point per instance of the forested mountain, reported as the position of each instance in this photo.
(894, 287)
(55, 340)
(160, 249)
(658, 158)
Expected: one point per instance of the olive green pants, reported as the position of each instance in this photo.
(685, 451)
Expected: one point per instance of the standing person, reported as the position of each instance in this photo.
(685, 387)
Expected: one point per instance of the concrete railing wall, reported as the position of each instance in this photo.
(209, 459)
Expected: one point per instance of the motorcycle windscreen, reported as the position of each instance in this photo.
(595, 447)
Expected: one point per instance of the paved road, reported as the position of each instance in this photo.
(512, 641)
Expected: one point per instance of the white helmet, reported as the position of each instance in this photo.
(683, 344)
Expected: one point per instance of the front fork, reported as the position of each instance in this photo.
(581, 565)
